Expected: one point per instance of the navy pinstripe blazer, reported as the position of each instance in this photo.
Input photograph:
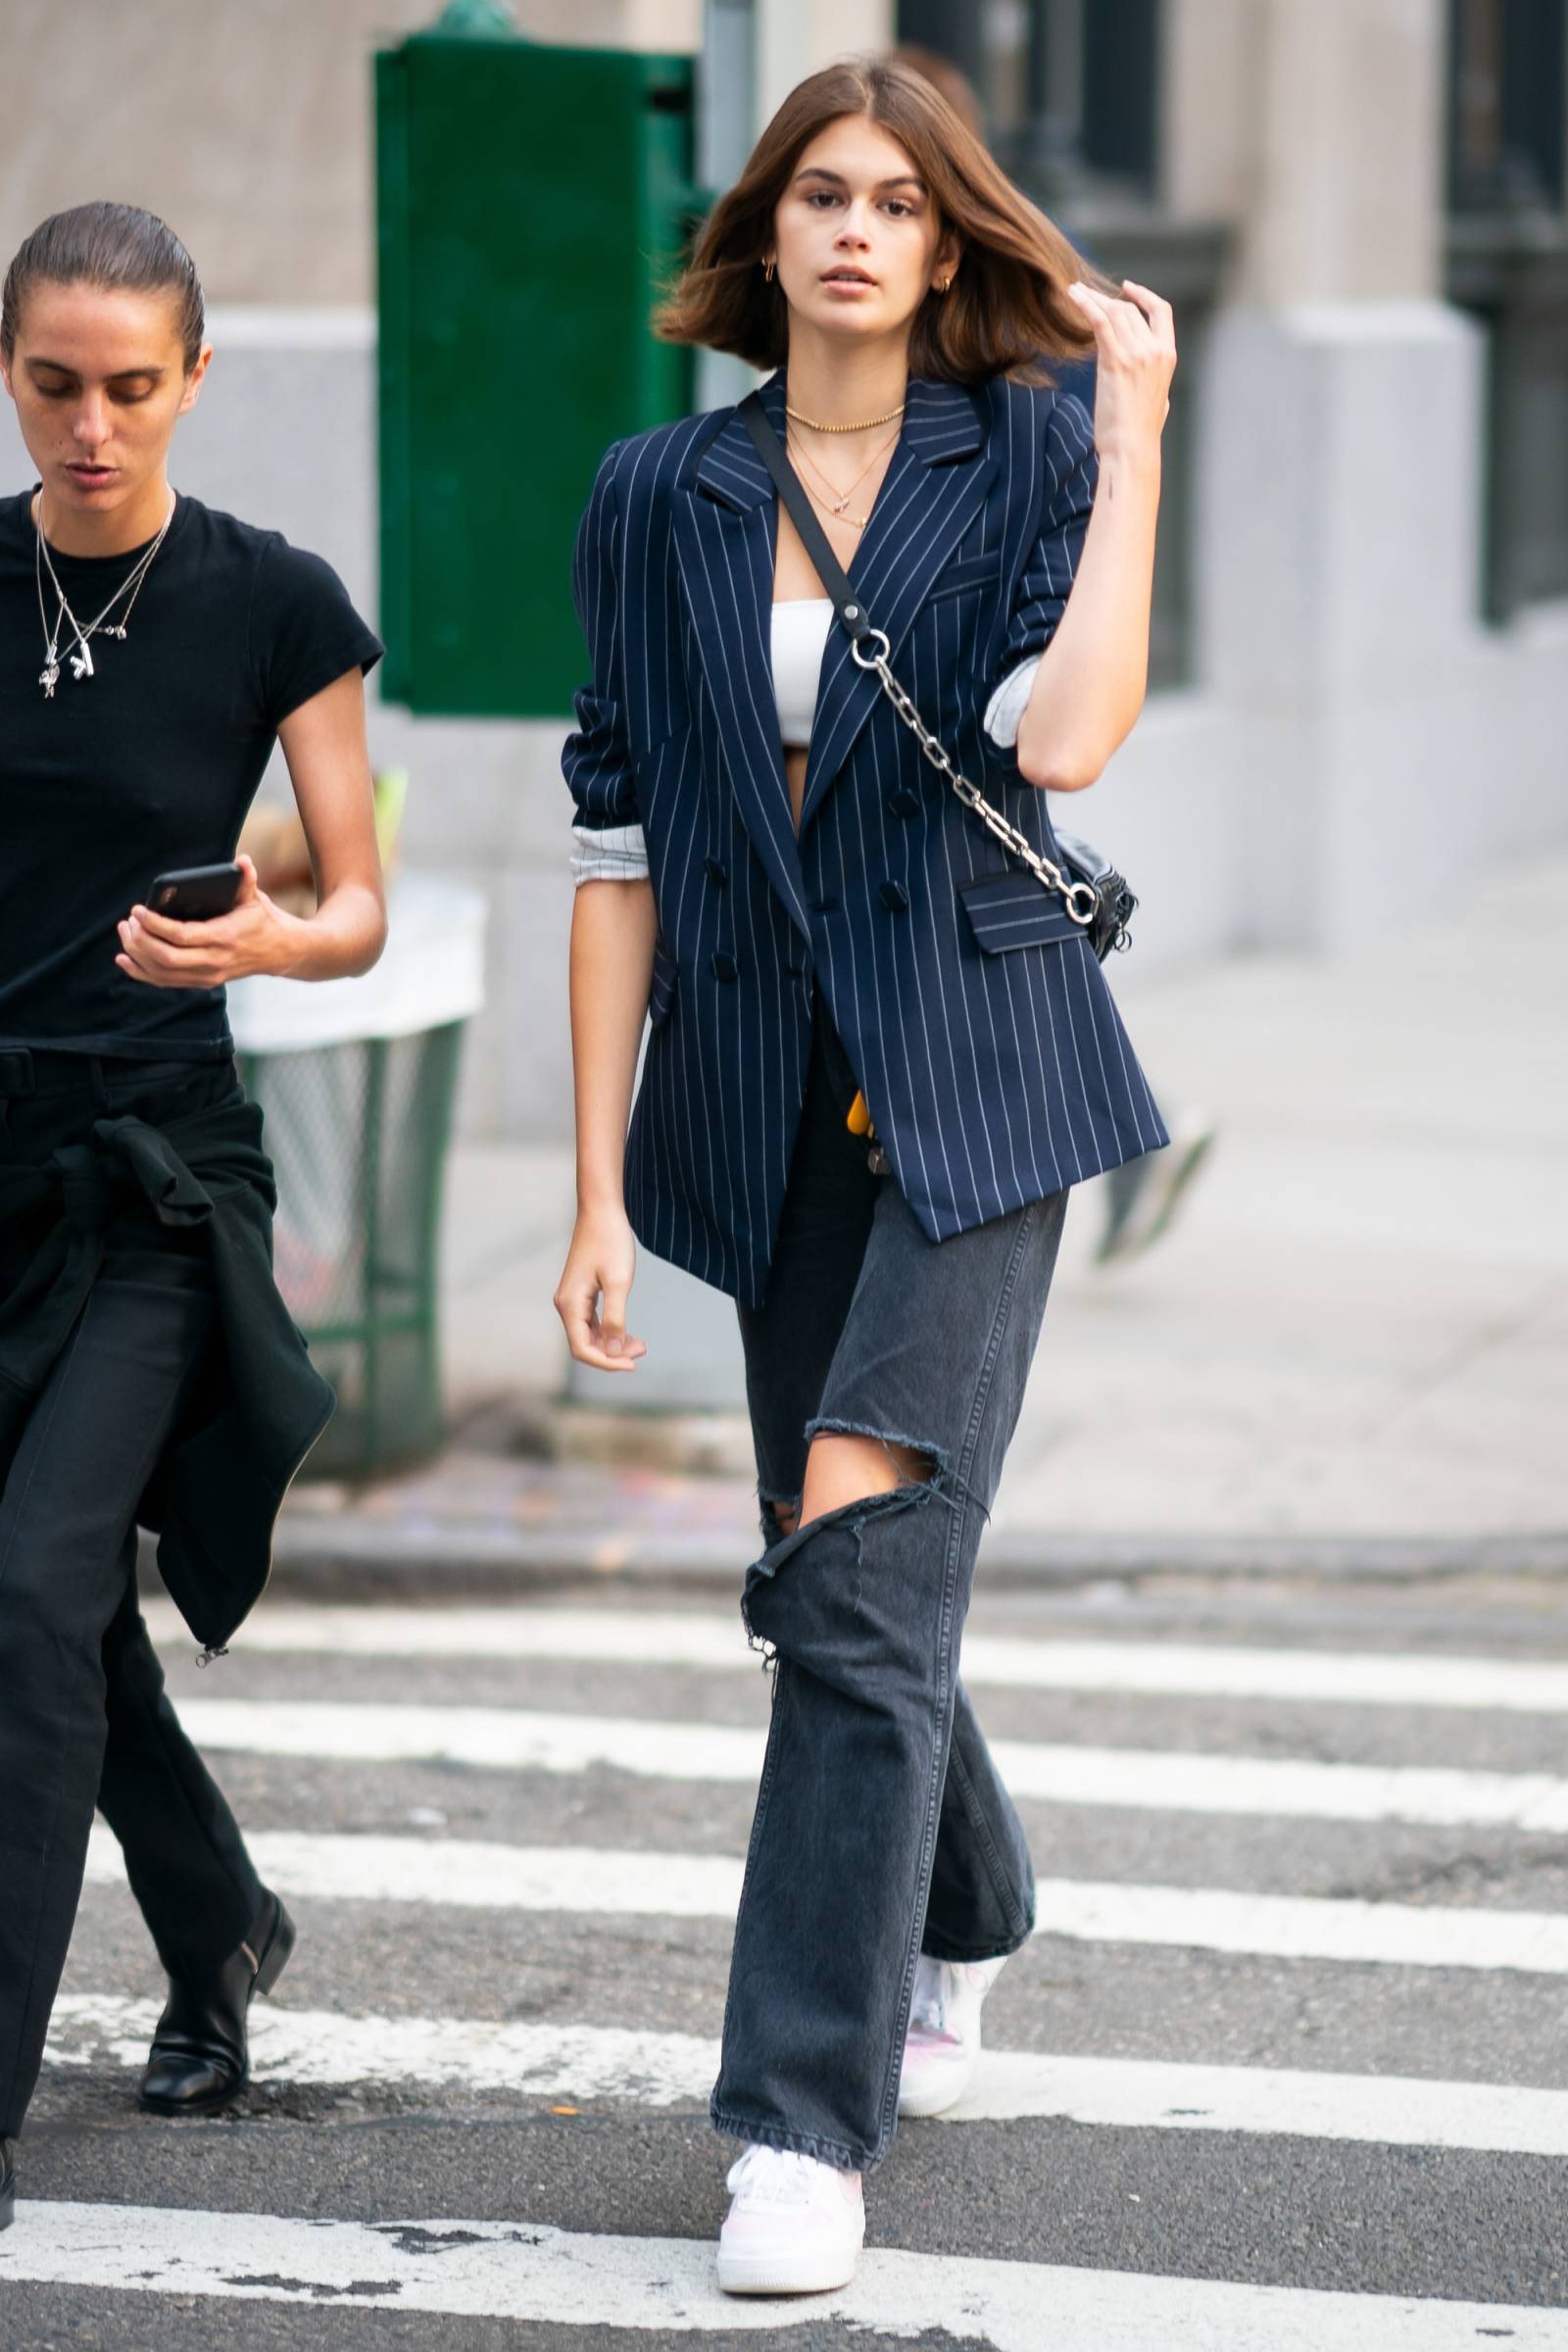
(975, 1014)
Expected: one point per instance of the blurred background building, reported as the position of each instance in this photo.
(1359, 208)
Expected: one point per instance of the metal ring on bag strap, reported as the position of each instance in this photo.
(1080, 899)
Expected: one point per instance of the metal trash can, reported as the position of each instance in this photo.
(356, 1080)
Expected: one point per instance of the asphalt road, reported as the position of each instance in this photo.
(479, 2115)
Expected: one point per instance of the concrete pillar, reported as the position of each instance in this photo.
(1340, 440)
(1316, 127)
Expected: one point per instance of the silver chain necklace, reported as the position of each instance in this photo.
(81, 665)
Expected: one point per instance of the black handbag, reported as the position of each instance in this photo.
(1095, 896)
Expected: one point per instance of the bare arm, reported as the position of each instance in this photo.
(323, 742)
(613, 925)
(1090, 686)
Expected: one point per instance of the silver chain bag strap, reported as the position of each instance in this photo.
(1093, 892)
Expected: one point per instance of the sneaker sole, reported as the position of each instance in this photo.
(774, 2274)
(916, 2106)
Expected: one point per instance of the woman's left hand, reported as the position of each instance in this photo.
(1134, 359)
(255, 936)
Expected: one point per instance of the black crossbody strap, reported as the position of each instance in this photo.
(792, 490)
(871, 650)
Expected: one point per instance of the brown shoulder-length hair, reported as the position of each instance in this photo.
(1008, 313)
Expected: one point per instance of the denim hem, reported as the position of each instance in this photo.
(799, 2143)
(939, 1947)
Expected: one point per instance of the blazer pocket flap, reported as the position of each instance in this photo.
(1014, 910)
(661, 994)
(974, 571)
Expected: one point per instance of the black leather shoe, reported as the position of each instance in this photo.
(8, 2184)
(201, 2051)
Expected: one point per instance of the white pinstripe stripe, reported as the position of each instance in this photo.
(912, 884)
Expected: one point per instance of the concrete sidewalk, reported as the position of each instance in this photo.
(1353, 1345)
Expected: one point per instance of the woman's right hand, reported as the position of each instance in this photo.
(595, 1283)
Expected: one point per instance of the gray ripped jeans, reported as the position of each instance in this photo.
(882, 1828)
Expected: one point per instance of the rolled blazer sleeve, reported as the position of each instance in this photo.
(1046, 583)
(597, 758)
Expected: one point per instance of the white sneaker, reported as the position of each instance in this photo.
(941, 2046)
(794, 2226)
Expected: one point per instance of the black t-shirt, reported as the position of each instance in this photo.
(149, 763)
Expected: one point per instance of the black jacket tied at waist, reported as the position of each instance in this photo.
(214, 1495)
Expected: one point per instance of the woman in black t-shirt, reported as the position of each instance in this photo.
(151, 654)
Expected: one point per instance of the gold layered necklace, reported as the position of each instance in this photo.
(837, 502)
(866, 424)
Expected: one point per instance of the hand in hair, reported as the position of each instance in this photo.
(1135, 352)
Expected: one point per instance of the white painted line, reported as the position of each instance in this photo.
(314, 2048)
(1290, 1927)
(668, 1637)
(476, 1877)
(317, 2048)
(515, 1740)
(519, 2271)
(602, 1881)
(498, 1738)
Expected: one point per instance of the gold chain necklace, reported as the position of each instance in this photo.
(840, 500)
(867, 425)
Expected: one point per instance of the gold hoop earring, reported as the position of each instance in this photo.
(767, 270)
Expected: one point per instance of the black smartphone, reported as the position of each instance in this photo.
(194, 893)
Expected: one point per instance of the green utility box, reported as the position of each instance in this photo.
(532, 202)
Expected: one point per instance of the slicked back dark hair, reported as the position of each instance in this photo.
(116, 246)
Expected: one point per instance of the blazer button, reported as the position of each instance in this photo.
(894, 896)
(724, 968)
(903, 802)
(717, 874)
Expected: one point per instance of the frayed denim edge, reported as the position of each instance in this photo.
(911, 1493)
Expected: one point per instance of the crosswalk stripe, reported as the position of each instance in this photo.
(516, 1739)
(317, 2048)
(522, 2272)
(668, 1637)
(597, 1881)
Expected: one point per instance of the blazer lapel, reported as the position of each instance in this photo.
(930, 495)
(725, 534)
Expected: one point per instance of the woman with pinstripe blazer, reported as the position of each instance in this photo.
(825, 938)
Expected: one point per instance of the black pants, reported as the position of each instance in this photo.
(83, 1716)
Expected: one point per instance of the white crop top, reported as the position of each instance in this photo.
(801, 624)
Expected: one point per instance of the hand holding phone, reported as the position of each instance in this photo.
(195, 893)
(199, 926)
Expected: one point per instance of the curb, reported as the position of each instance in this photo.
(338, 1555)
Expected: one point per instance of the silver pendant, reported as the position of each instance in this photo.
(49, 679)
(81, 661)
